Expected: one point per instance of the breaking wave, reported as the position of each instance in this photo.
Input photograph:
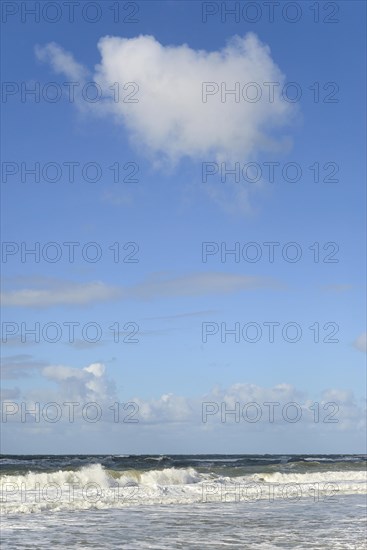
(97, 487)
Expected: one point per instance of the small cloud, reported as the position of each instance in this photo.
(9, 393)
(338, 287)
(117, 199)
(360, 343)
(97, 369)
(80, 344)
(66, 293)
(62, 62)
(198, 284)
(60, 372)
(182, 315)
(19, 366)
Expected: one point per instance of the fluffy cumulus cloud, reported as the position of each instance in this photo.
(175, 105)
(242, 402)
(249, 404)
(90, 383)
(223, 420)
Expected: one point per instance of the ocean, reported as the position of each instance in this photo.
(190, 502)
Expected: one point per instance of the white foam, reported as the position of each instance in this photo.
(168, 476)
(312, 477)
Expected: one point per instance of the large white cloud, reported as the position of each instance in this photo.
(169, 120)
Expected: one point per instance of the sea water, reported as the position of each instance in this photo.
(184, 502)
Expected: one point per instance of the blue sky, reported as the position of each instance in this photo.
(169, 212)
